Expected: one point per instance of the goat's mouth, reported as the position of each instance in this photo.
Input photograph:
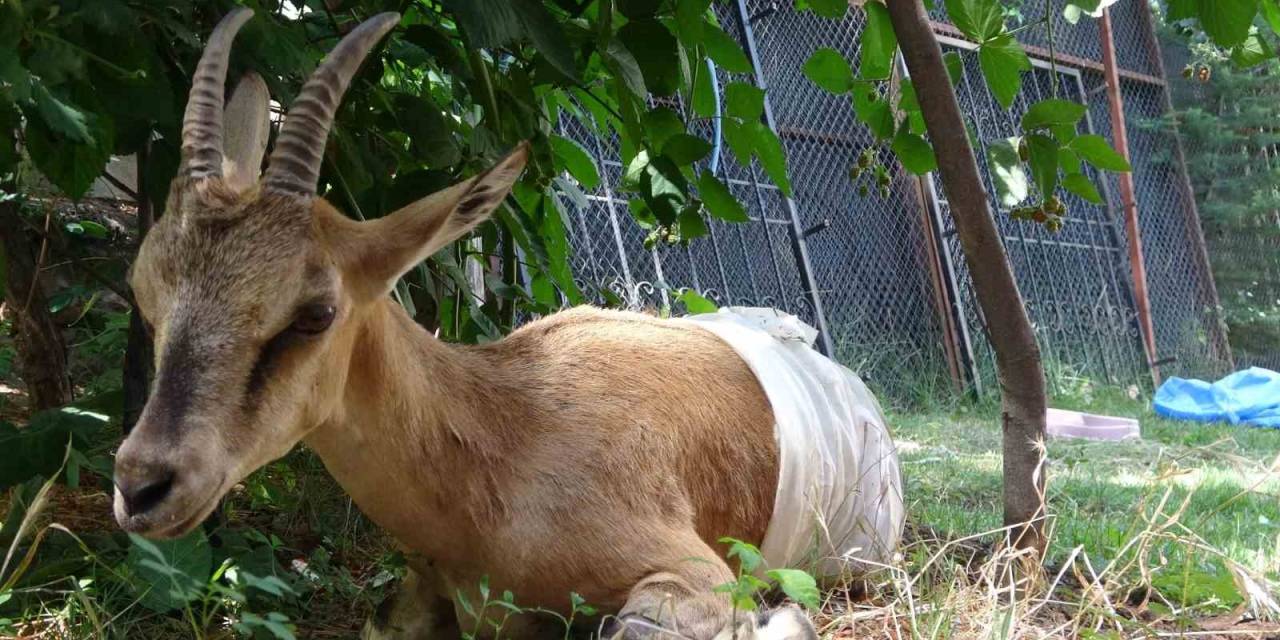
(180, 512)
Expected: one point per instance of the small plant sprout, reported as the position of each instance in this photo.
(798, 585)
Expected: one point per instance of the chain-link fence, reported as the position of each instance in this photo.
(884, 274)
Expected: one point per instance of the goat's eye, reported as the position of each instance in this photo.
(313, 318)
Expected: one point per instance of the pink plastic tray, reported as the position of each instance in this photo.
(1074, 424)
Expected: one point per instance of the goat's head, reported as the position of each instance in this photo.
(249, 285)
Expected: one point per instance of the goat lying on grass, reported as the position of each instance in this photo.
(592, 451)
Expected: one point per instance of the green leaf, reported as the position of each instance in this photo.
(691, 224)
(71, 166)
(636, 9)
(38, 448)
(686, 149)
(430, 132)
(741, 139)
(494, 23)
(1065, 133)
(981, 20)
(1006, 172)
(1043, 160)
(1080, 8)
(873, 112)
(907, 99)
(914, 152)
(275, 622)
(635, 170)
(749, 558)
(661, 124)
(694, 303)
(1253, 51)
(1003, 61)
(690, 15)
(720, 202)
(170, 573)
(465, 603)
(744, 100)
(14, 74)
(1053, 111)
(555, 236)
(1095, 150)
(572, 157)
(61, 117)
(704, 95)
(656, 54)
(93, 229)
(1227, 22)
(769, 150)
(619, 60)
(1181, 9)
(724, 50)
(439, 47)
(654, 50)
(878, 43)
(544, 291)
(955, 66)
(829, 70)
(1271, 13)
(829, 8)
(1074, 11)
(1068, 161)
(798, 585)
(663, 188)
(1082, 186)
(56, 62)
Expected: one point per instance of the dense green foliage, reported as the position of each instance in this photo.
(454, 86)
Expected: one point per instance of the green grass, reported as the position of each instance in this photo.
(1105, 495)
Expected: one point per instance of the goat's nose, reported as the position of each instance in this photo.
(144, 486)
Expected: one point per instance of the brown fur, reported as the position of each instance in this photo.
(567, 457)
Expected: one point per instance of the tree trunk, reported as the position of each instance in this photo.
(138, 350)
(1008, 327)
(41, 350)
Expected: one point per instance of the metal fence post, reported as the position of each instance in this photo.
(798, 244)
(1128, 200)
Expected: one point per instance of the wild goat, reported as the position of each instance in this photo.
(591, 451)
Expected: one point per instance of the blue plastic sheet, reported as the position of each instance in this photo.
(1249, 397)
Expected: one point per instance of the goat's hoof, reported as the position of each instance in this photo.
(632, 626)
(785, 623)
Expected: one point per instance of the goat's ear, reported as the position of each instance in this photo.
(386, 247)
(245, 129)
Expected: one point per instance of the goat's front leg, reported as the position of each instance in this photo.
(679, 601)
(416, 611)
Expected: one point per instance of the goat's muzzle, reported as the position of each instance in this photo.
(158, 493)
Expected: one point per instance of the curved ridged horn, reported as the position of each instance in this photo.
(202, 121)
(295, 162)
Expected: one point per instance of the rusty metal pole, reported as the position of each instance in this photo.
(1128, 201)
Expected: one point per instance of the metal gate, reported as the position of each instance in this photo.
(883, 277)
(1075, 281)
